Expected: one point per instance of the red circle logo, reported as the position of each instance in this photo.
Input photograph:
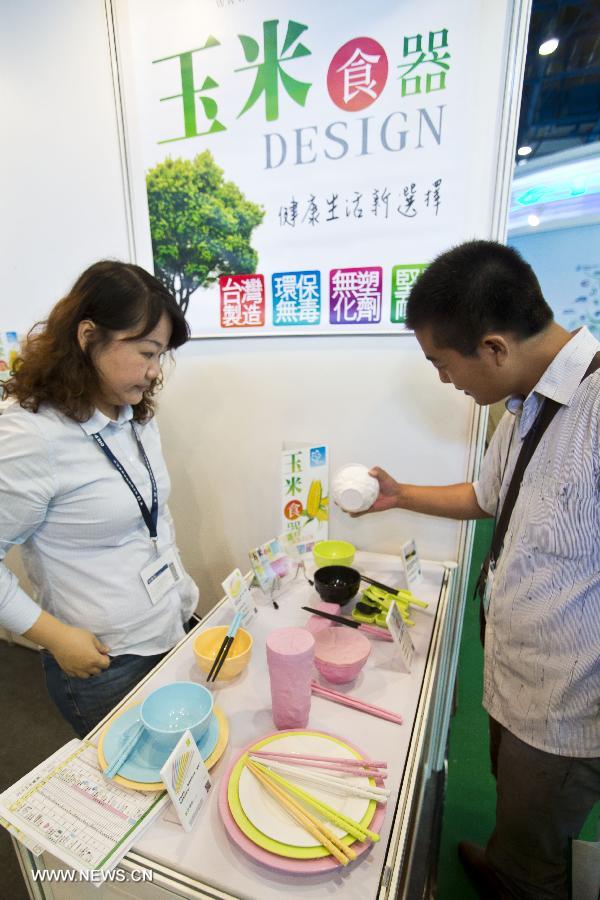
(293, 510)
(357, 74)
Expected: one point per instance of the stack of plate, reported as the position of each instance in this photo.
(261, 827)
(141, 770)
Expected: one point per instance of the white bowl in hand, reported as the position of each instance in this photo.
(353, 489)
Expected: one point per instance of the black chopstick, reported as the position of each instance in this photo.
(228, 642)
(325, 615)
(224, 648)
(217, 659)
(380, 585)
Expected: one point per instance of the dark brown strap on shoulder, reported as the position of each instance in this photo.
(534, 435)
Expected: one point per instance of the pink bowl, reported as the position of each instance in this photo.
(340, 653)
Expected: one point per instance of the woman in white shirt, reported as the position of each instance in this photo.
(84, 491)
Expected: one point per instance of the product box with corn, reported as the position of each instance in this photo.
(305, 500)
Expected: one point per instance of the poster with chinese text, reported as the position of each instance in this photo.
(294, 167)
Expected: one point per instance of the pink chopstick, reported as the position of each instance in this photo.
(372, 763)
(345, 700)
(377, 632)
(349, 767)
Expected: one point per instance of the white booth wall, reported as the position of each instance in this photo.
(227, 405)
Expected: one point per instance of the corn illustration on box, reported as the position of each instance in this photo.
(9, 350)
(305, 491)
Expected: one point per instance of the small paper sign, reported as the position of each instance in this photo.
(271, 564)
(400, 634)
(187, 780)
(412, 564)
(238, 592)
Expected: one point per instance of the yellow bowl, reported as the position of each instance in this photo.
(206, 647)
(333, 553)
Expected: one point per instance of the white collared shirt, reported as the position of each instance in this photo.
(542, 648)
(84, 541)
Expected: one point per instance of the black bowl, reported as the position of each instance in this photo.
(337, 584)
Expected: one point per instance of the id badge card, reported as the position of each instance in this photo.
(162, 574)
(489, 584)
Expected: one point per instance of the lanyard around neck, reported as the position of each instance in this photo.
(150, 516)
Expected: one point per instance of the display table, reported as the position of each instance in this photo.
(205, 863)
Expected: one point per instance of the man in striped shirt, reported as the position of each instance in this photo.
(480, 318)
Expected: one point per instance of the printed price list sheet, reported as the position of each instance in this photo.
(68, 807)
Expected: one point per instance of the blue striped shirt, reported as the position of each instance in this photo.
(84, 541)
(542, 651)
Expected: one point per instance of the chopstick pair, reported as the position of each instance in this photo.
(371, 630)
(126, 752)
(310, 823)
(225, 647)
(334, 763)
(334, 783)
(354, 703)
(351, 826)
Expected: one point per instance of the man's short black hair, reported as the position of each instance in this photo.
(473, 289)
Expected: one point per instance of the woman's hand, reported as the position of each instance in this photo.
(80, 654)
(388, 493)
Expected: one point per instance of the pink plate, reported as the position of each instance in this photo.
(282, 863)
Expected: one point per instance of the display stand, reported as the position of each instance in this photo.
(205, 863)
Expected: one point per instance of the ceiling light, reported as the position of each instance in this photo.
(524, 151)
(548, 47)
(534, 221)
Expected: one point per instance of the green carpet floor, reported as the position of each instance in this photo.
(470, 798)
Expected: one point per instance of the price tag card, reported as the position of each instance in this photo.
(187, 780)
(400, 634)
(411, 563)
(239, 593)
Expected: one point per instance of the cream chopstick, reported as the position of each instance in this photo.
(329, 782)
(333, 815)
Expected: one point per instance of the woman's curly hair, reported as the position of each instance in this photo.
(53, 368)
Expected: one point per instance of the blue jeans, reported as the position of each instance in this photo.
(86, 701)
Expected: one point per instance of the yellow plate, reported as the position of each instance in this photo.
(214, 757)
(261, 839)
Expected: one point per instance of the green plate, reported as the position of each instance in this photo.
(261, 839)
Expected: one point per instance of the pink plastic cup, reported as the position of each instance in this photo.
(290, 654)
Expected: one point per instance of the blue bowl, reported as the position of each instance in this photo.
(174, 708)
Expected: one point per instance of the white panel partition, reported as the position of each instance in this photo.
(228, 405)
(61, 182)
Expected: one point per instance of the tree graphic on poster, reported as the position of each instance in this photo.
(201, 225)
